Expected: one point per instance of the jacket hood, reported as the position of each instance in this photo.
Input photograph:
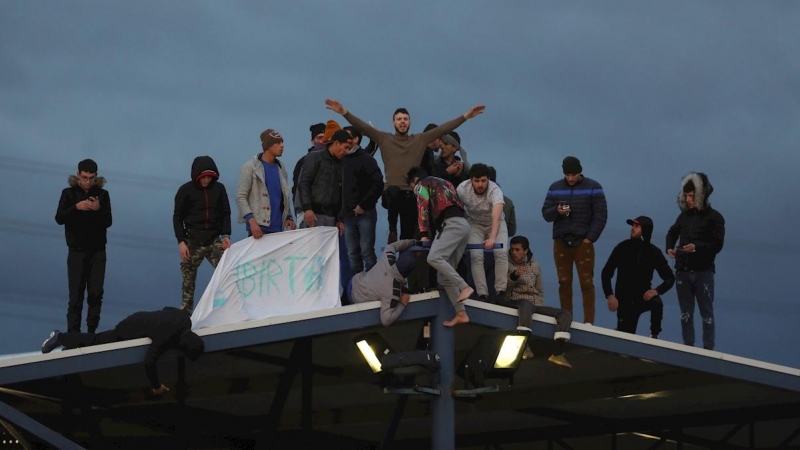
(73, 181)
(647, 226)
(702, 191)
(202, 166)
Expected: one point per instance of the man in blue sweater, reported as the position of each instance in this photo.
(577, 207)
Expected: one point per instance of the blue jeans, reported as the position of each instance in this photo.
(359, 233)
(700, 286)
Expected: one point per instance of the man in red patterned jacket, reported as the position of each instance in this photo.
(442, 220)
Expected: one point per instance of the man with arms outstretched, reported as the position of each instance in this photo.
(400, 152)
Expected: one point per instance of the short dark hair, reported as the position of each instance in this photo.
(354, 132)
(521, 240)
(88, 166)
(400, 110)
(415, 172)
(479, 170)
(492, 174)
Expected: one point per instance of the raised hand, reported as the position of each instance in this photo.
(335, 106)
(474, 111)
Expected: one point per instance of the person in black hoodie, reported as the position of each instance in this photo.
(694, 241)
(362, 187)
(634, 260)
(85, 211)
(202, 223)
(169, 328)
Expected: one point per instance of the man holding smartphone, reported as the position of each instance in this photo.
(576, 205)
(693, 241)
(85, 211)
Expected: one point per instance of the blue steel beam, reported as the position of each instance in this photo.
(443, 415)
(664, 355)
(214, 342)
(37, 429)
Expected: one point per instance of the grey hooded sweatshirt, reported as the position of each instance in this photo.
(383, 283)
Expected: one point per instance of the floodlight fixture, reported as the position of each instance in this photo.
(495, 355)
(372, 347)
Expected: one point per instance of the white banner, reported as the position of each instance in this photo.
(282, 273)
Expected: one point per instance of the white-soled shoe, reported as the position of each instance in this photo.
(51, 343)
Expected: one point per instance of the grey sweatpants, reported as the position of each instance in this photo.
(446, 251)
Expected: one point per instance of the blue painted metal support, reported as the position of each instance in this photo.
(307, 373)
(443, 415)
(399, 408)
(12, 430)
(300, 350)
(790, 438)
(37, 429)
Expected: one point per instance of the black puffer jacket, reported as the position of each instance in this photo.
(164, 328)
(202, 214)
(84, 230)
(320, 184)
(588, 214)
(702, 226)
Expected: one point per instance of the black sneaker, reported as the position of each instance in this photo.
(51, 343)
(500, 297)
(484, 298)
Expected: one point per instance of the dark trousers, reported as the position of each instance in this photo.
(78, 339)
(525, 310)
(86, 272)
(629, 311)
(403, 204)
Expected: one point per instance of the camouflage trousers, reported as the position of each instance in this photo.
(197, 253)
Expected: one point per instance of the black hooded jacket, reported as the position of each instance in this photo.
(202, 214)
(164, 328)
(363, 182)
(702, 226)
(84, 230)
(634, 260)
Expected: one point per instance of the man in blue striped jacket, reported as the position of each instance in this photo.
(577, 207)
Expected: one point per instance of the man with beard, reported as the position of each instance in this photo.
(634, 261)
(577, 207)
(449, 166)
(694, 240)
(400, 152)
(483, 201)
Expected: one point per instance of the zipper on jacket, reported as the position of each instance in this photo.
(205, 194)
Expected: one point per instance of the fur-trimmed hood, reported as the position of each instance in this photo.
(702, 191)
(73, 181)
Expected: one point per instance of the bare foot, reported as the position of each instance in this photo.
(465, 293)
(461, 317)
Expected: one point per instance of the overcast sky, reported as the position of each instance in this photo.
(641, 92)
